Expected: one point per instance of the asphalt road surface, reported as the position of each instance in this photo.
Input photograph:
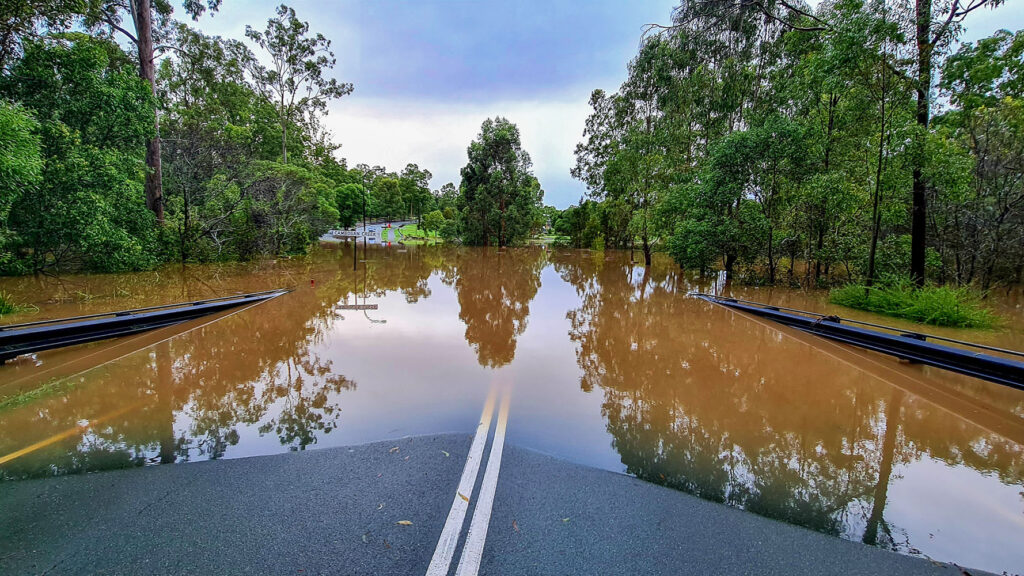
(381, 508)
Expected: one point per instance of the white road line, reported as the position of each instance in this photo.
(442, 559)
(473, 549)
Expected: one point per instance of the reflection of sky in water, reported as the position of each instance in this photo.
(943, 508)
(609, 368)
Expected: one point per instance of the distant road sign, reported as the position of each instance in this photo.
(371, 232)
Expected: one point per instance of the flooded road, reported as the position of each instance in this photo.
(609, 366)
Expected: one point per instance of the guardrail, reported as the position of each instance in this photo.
(31, 337)
(907, 345)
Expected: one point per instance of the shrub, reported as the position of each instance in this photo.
(9, 306)
(936, 305)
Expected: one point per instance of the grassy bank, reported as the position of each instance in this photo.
(413, 234)
(935, 305)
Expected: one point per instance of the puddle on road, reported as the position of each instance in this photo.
(611, 367)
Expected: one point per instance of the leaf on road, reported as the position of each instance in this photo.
(364, 539)
(381, 506)
(565, 519)
(515, 526)
(445, 453)
(404, 523)
(463, 496)
(393, 450)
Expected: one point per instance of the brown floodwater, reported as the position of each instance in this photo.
(611, 366)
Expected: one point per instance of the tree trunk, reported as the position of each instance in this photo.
(730, 262)
(284, 141)
(147, 70)
(918, 217)
(875, 220)
(881, 491)
(165, 403)
(501, 233)
(833, 101)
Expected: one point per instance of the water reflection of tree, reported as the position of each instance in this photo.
(190, 395)
(699, 399)
(494, 290)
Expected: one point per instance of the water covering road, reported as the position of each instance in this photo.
(610, 367)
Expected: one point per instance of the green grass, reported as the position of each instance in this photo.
(51, 388)
(412, 231)
(935, 305)
(9, 306)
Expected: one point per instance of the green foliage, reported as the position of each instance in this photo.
(500, 195)
(248, 169)
(295, 81)
(433, 222)
(349, 200)
(88, 210)
(450, 230)
(387, 195)
(283, 209)
(20, 161)
(414, 184)
(7, 304)
(936, 305)
(788, 147)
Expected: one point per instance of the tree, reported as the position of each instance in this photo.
(21, 165)
(26, 19)
(20, 161)
(500, 194)
(432, 222)
(214, 124)
(446, 199)
(95, 115)
(349, 199)
(979, 223)
(110, 14)
(415, 185)
(387, 194)
(294, 80)
(932, 31)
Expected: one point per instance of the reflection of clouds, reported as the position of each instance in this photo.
(263, 369)
(708, 402)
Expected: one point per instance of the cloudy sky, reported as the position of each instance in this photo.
(428, 72)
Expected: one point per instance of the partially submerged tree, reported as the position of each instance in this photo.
(500, 194)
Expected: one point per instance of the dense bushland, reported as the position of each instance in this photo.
(813, 146)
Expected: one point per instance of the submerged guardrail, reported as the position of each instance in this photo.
(904, 344)
(19, 339)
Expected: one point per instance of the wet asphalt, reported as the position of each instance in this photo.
(379, 509)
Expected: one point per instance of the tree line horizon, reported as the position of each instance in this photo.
(189, 147)
(855, 139)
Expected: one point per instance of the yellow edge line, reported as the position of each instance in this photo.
(67, 433)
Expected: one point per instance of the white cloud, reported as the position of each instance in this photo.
(435, 135)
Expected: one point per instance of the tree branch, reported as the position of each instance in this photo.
(110, 21)
(956, 13)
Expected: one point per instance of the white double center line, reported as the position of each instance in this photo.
(472, 551)
(457, 515)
